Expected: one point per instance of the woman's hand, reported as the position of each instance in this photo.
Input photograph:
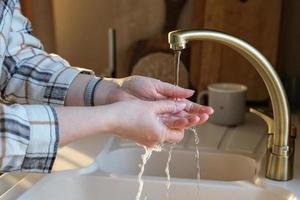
(152, 122)
(145, 122)
(148, 89)
(137, 87)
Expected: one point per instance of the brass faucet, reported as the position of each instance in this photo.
(280, 147)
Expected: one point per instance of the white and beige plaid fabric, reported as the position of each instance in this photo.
(28, 75)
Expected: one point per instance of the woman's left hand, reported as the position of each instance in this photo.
(148, 89)
(138, 87)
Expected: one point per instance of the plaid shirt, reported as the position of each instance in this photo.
(28, 75)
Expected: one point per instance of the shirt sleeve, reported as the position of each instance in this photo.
(29, 74)
(29, 134)
(29, 138)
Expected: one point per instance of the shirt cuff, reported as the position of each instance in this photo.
(44, 137)
(57, 88)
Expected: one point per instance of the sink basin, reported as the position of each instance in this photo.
(108, 188)
(213, 165)
(113, 177)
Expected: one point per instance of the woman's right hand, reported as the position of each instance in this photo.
(152, 122)
(145, 122)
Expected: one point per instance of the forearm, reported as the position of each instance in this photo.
(80, 122)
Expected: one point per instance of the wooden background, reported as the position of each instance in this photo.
(289, 52)
(255, 21)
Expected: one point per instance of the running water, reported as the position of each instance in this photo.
(193, 129)
(176, 82)
(148, 151)
(176, 67)
(145, 158)
(197, 156)
(167, 170)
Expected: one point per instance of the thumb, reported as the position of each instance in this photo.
(168, 106)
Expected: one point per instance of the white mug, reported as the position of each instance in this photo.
(228, 100)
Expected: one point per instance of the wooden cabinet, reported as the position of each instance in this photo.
(254, 21)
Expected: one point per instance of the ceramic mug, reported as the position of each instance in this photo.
(228, 100)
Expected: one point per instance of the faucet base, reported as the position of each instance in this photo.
(280, 168)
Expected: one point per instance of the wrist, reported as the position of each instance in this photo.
(105, 119)
(109, 115)
(89, 92)
(90, 121)
(103, 89)
(75, 95)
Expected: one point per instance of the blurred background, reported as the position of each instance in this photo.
(118, 38)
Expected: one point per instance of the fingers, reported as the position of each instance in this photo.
(174, 125)
(196, 108)
(189, 107)
(193, 119)
(168, 106)
(181, 114)
(170, 91)
(174, 133)
(174, 122)
(182, 120)
(203, 118)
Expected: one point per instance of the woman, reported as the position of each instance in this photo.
(49, 103)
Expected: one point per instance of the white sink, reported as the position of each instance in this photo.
(113, 177)
(213, 165)
(108, 188)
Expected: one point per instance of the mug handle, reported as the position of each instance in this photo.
(201, 95)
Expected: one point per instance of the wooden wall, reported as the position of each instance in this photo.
(41, 16)
(82, 29)
(289, 52)
(78, 31)
(254, 21)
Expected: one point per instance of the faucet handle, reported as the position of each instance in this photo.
(269, 121)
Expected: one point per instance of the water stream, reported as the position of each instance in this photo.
(167, 170)
(148, 151)
(177, 55)
(176, 82)
(197, 157)
(145, 158)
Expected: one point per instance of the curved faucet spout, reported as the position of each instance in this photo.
(280, 154)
